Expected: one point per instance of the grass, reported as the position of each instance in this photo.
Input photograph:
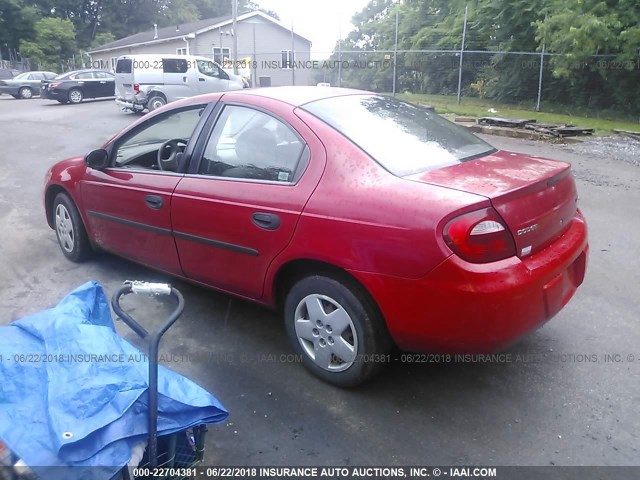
(602, 122)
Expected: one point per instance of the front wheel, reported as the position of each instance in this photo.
(336, 328)
(72, 236)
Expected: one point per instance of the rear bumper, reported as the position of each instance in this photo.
(10, 90)
(133, 106)
(461, 307)
(55, 94)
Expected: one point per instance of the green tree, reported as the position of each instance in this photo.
(17, 21)
(54, 42)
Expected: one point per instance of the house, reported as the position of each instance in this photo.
(268, 52)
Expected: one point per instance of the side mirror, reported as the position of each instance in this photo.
(97, 159)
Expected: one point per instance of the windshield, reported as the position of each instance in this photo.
(403, 138)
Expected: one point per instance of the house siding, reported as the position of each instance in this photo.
(264, 52)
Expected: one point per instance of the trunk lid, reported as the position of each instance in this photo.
(537, 198)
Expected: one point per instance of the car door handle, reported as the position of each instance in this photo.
(184, 79)
(201, 79)
(154, 201)
(267, 221)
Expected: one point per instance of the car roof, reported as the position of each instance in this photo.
(296, 96)
(300, 95)
(73, 72)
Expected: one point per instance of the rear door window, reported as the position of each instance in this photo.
(104, 75)
(252, 145)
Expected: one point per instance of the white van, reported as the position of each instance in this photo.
(151, 81)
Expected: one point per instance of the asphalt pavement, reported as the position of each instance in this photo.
(569, 394)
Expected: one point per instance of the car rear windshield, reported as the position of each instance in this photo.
(404, 138)
(124, 65)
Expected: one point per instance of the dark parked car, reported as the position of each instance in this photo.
(6, 74)
(74, 87)
(25, 85)
(368, 221)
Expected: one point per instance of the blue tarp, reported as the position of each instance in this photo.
(74, 394)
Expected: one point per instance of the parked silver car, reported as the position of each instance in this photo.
(25, 85)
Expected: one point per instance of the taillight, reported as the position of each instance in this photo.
(136, 87)
(480, 237)
(54, 84)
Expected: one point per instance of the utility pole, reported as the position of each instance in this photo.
(234, 12)
(464, 34)
(395, 57)
(292, 62)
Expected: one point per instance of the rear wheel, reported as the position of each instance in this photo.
(72, 236)
(155, 102)
(25, 92)
(76, 96)
(333, 324)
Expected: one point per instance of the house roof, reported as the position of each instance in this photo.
(179, 31)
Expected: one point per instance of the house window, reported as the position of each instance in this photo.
(181, 51)
(220, 54)
(287, 59)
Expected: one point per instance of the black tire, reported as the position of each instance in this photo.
(369, 347)
(156, 101)
(75, 96)
(75, 245)
(25, 93)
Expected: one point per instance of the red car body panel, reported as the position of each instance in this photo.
(221, 209)
(116, 194)
(461, 307)
(347, 211)
(536, 197)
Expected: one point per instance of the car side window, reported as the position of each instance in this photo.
(249, 144)
(104, 75)
(36, 76)
(208, 68)
(174, 65)
(139, 150)
(84, 76)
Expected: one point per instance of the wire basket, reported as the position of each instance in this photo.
(180, 451)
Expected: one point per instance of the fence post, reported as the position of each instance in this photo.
(395, 57)
(540, 76)
(340, 58)
(464, 34)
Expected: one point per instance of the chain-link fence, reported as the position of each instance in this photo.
(601, 82)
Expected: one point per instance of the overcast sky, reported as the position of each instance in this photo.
(320, 20)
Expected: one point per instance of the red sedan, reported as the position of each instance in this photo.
(369, 221)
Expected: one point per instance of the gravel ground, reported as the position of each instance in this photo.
(617, 148)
